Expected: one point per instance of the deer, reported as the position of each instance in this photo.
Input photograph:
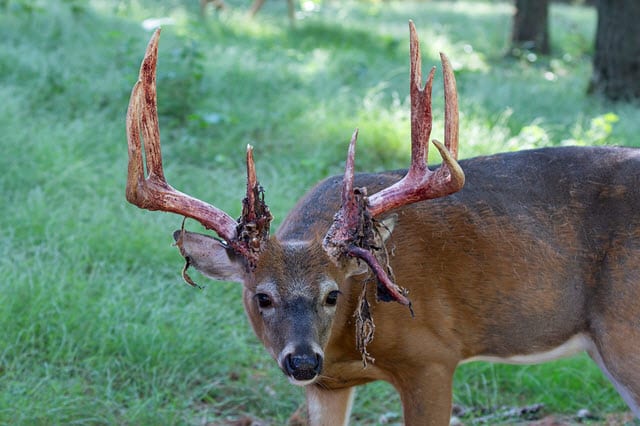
(217, 4)
(255, 7)
(401, 276)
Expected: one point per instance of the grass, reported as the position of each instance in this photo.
(95, 324)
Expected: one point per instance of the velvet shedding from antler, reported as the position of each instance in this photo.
(150, 190)
(354, 230)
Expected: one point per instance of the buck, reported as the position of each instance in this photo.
(536, 258)
(255, 7)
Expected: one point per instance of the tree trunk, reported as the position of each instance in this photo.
(616, 63)
(531, 26)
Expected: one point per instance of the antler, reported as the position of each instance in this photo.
(353, 232)
(152, 192)
(420, 183)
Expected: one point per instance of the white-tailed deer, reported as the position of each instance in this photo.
(538, 257)
(255, 7)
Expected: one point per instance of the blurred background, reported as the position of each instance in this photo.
(96, 325)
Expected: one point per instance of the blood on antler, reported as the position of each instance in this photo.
(353, 232)
(152, 192)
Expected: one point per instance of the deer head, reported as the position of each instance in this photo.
(292, 288)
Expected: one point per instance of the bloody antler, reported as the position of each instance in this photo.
(352, 233)
(152, 192)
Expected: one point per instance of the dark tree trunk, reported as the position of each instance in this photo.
(531, 26)
(616, 63)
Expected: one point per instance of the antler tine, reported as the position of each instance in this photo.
(153, 192)
(252, 183)
(348, 217)
(150, 126)
(254, 224)
(421, 117)
(451, 118)
(347, 183)
(450, 172)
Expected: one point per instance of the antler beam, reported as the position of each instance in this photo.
(152, 192)
(353, 231)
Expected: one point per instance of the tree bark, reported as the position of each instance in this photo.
(531, 26)
(616, 63)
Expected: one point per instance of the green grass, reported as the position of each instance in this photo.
(96, 326)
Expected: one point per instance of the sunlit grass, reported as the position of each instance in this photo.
(96, 326)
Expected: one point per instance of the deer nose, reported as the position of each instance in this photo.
(303, 365)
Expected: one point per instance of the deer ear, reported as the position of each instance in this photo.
(210, 257)
(384, 228)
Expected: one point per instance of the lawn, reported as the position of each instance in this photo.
(96, 325)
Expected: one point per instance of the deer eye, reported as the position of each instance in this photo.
(264, 301)
(332, 298)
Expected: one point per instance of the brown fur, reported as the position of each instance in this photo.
(539, 246)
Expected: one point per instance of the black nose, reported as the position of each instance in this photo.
(303, 365)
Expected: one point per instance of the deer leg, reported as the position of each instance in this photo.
(292, 11)
(329, 407)
(621, 368)
(616, 328)
(427, 396)
(257, 4)
(616, 353)
(218, 4)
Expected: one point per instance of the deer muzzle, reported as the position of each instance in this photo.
(302, 364)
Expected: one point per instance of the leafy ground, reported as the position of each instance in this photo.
(96, 326)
